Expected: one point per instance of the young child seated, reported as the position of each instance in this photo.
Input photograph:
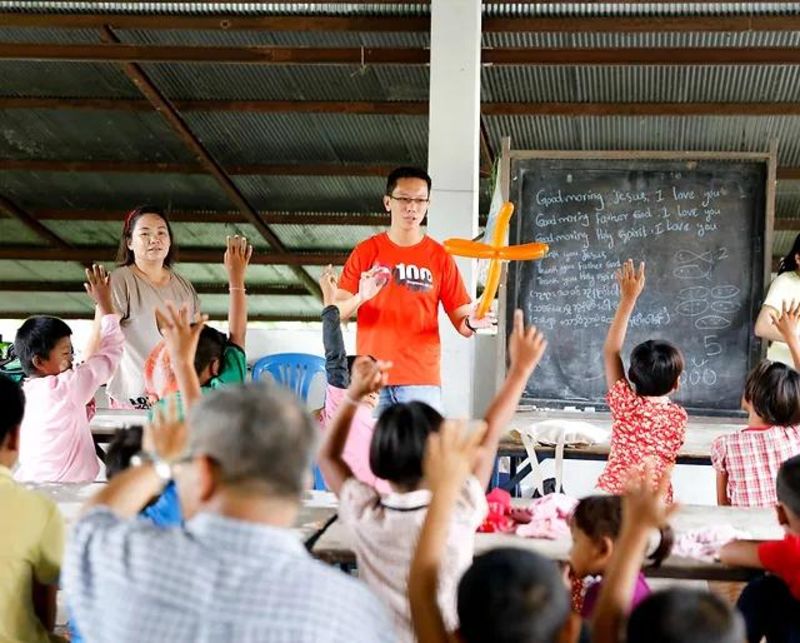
(595, 526)
(747, 462)
(647, 426)
(32, 539)
(55, 442)
(385, 528)
(507, 595)
(670, 616)
(218, 360)
(337, 371)
(771, 603)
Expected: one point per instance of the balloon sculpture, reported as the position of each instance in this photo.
(496, 252)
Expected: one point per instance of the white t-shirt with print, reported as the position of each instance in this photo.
(386, 530)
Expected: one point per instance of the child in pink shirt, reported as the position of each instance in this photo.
(55, 440)
(337, 372)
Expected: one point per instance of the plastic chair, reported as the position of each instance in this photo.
(295, 371)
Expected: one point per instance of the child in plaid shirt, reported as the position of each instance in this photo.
(747, 462)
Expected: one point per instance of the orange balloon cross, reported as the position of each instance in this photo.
(496, 252)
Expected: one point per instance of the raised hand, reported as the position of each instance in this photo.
(368, 376)
(372, 282)
(525, 345)
(644, 505)
(327, 282)
(786, 323)
(631, 281)
(180, 333)
(166, 435)
(451, 453)
(98, 287)
(237, 256)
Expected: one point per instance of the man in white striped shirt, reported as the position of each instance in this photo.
(234, 572)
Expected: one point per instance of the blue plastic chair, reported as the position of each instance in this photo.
(295, 371)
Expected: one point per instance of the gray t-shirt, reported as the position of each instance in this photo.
(136, 300)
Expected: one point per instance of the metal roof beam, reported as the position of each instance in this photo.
(295, 258)
(162, 105)
(89, 314)
(42, 231)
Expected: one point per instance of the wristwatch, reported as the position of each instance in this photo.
(162, 468)
(468, 325)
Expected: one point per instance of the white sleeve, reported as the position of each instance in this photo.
(784, 288)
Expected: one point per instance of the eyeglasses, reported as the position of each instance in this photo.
(404, 200)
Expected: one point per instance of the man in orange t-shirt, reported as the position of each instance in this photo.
(399, 320)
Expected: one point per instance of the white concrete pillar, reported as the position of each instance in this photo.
(453, 163)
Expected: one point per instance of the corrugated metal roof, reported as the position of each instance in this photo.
(89, 135)
(90, 80)
(291, 82)
(350, 193)
(218, 38)
(344, 138)
(667, 83)
(656, 39)
(783, 241)
(527, 9)
(712, 133)
(114, 191)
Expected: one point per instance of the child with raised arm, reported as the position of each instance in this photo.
(786, 324)
(668, 616)
(386, 527)
(56, 442)
(337, 373)
(218, 360)
(771, 603)
(647, 426)
(507, 595)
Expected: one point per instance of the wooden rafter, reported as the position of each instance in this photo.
(89, 314)
(357, 56)
(30, 222)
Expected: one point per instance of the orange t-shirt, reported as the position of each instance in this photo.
(401, 323)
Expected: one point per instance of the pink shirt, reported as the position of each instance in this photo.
(356, 449)
(751, 458)
(55, 440)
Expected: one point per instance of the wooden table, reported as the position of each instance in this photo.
(106, 422)
(334, 546)
(696, 450)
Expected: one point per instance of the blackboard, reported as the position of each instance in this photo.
(700, 226)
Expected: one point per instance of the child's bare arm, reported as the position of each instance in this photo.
(722, 489)
(741, 553)
(525, 348)
(181, 337)
(449, 457)
(368, 377)
(237, 257)
(787, 324)
(643, 510)
(631, 284)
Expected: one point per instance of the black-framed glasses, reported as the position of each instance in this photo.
(404, 200)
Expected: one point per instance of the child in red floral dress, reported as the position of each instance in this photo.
(647, 427)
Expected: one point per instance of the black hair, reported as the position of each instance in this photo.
(773, 390)
(351, 359)
(125, 444)
(210, 346)
(125, 256)
(511, 595)
(655, 367)
(38, 336)
(789, 262)
(788, 484)
(398, 442)
(601, 517)
(684, 616)
(12, 401)
(406, 173)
